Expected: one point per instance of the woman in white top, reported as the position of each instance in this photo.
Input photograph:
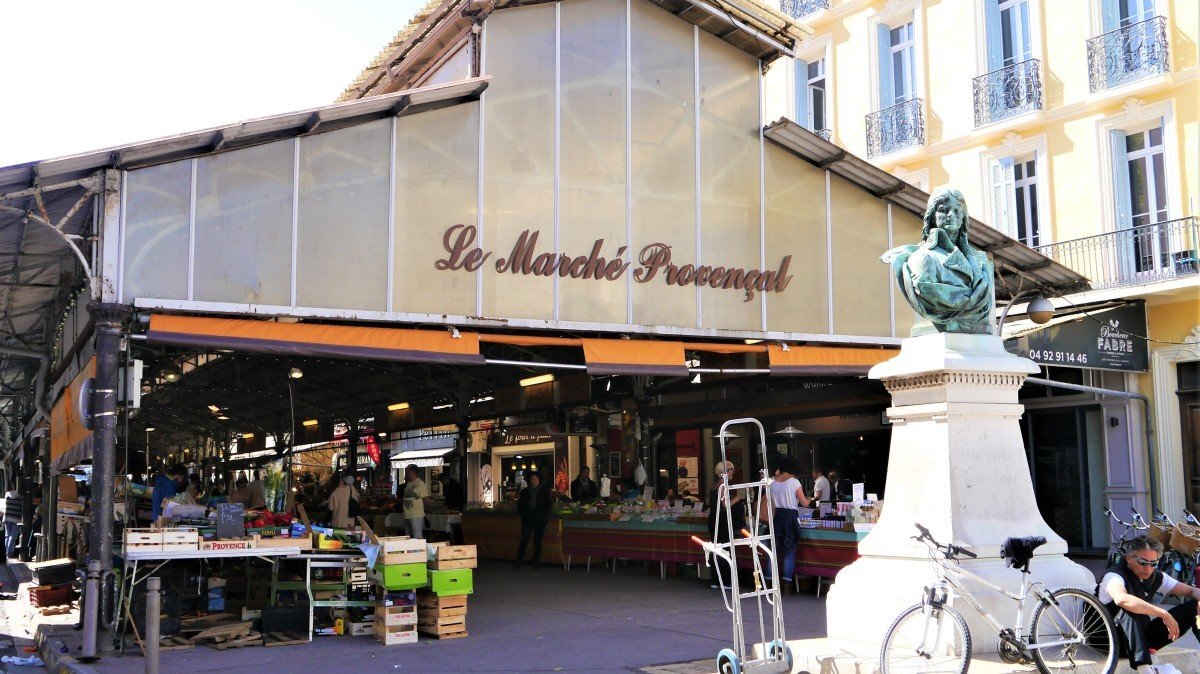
(786, 496)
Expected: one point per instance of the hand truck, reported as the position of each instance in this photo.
(758, 548)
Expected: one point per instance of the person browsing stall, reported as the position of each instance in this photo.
(339, 503)
(414, 499)
(787, 495)
(533, 505)
(1127, 590)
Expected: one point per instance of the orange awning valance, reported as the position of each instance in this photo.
(637, 357)
(316, 340)
(825, 360)
(70, 442)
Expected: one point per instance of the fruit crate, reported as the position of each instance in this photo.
(42, 596)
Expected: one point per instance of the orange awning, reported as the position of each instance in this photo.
(70, 442)
(825, 360)
(316, 340)
(633, 356)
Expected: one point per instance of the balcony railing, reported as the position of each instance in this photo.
(825, 134)
(799, 9)
(1127, 54)
(1157, 252)
(895, 128)
(1007, 92)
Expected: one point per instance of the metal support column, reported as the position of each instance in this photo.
(28, 459)
(109, 320)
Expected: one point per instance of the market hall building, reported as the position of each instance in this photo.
(550, 235)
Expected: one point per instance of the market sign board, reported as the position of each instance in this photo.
(1111, 339)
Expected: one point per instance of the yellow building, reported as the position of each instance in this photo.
(1074, 127)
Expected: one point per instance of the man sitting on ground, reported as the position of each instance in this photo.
(1128, 589)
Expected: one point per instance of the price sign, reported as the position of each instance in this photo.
(231, 520)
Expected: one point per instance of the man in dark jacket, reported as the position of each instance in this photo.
(168, 483)
(533, 505)
(583, 490)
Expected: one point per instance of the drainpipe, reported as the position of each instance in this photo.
(1150, 451)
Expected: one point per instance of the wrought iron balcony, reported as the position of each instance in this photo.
(1127, 54)
(1157, 252)
(895, 128)
(1007, 92)
(799, 9)
(825, 134)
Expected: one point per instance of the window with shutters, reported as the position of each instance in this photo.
(898, 121)
(1015, 198)
(813, 92)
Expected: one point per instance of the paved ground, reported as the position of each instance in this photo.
(551, 621)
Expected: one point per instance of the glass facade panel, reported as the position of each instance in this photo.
(592, 155)
(860, 281)
(519, 158)
(906, 229)
(342, 218)
(157, 230)
(795, 193)
(664, 158)
(244, 225)
(437, 177)
(729, 182)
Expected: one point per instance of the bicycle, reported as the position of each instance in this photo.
(1117, 553)
(1175, 563)
(1070, 630)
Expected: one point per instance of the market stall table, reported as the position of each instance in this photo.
(156, 559)
(497, 534)
(345, 560)
(660, 541)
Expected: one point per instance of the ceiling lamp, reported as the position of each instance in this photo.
(172, 374)
(214, 409)
(295, 373)
(222, 417)
(396, 407)
(310, 422)
(540, 379)
(789, 431)
(149, 429)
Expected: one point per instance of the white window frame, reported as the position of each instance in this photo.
(1035, 33)
(892, 15)
(1025, 182)
(1147, 153)
(816, 47)
(906, 47)
(1020, 147)
(1162, 9)
(808, 94)
(1012, 4)
(1137, 116)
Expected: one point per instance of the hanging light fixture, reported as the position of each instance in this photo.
(295, 373)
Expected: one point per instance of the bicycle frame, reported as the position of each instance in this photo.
(945, 570)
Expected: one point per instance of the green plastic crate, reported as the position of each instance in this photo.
(452, 582)
(399, 576)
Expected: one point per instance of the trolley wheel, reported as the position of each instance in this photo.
(728, 662)
(779, 645)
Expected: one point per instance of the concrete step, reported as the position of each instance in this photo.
(828, 656)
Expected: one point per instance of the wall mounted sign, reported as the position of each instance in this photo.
(655, 260)
(1109, 339)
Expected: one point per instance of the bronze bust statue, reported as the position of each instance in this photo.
(947, 282)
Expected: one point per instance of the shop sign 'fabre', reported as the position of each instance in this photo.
(1112, 339)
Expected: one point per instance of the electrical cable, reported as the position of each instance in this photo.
(1131, 334)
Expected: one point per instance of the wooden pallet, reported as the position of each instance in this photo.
(448, 635)
(284, 638)
(447, 627)
(251, 639)
(442, 611)
(175, 643)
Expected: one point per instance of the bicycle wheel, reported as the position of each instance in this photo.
(926, 643)
(1070, 614)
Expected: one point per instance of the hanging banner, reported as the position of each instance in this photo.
(1111, 339)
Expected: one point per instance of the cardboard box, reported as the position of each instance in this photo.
(360, 629)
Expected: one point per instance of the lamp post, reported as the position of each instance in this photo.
(293, 374)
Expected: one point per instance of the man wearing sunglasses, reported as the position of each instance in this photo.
(1128, 589)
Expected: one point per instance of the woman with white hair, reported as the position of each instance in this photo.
(725, 471)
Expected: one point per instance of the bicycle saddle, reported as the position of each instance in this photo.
(1018, 551)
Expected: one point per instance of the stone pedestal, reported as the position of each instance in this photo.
(957, 466)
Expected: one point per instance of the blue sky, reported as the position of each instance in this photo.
(78, 76)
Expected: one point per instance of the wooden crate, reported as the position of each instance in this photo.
(428, 600)
(392, 635)
(277, 542)
(143, 539)
(395, 549)
(452, 564)
(396, 615)
(446, 627)
(180, 539)
(443, 611)
(441, 552)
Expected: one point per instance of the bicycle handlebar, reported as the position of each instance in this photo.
(1190, 517)
(950, 550)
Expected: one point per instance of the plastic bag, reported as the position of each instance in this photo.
(639, 474)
